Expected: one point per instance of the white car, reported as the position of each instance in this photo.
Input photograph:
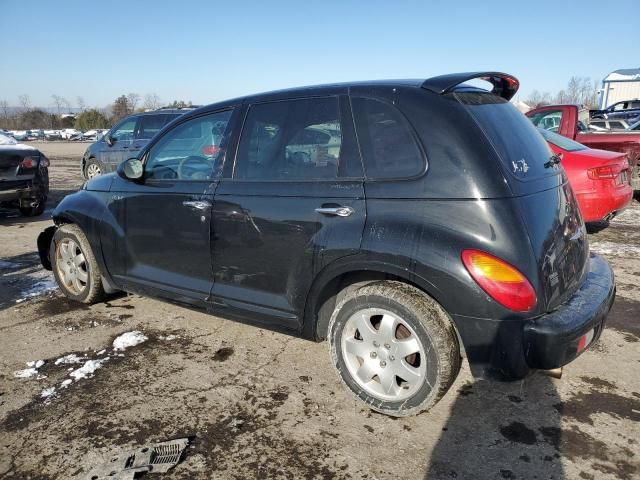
(67, 133)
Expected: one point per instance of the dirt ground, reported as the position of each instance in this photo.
(259, 404)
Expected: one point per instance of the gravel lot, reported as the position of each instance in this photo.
(259, 404)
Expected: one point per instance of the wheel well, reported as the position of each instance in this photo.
(336, 289)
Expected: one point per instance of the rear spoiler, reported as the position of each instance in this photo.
(504, 85)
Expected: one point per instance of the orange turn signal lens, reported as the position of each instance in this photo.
(504, 283)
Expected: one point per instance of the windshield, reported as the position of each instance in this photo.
(561, 142)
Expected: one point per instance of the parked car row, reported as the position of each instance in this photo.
(405, 222)
(64, 134)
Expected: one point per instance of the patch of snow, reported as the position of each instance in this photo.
(35, 363)
(26, 373)
(9, 265)
(129, 339)
(69, 359)
(101, 352)
(630, 217)
(66, 383)
(168, 338)
(40, 287)
(47, 392)
(615, 249)
(87, 369)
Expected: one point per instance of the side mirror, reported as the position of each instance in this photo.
(131, 169)
(109, 139)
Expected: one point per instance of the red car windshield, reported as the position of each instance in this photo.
(561, 142)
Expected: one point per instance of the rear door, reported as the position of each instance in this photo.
(293, 203)
(167, 216)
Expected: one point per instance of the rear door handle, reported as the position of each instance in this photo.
(336, 211)
(197, 204)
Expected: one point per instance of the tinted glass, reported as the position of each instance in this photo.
(193, 150)
(519, 145)
(124, 131)
(149, 125)
(561, 142)
(389, 149)
(291, 140)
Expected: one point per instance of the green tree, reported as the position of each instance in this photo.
(91, 119)
(121, 108)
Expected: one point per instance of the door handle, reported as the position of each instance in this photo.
(197, 204)
(336, 211)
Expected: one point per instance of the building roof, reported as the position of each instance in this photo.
(623, 75)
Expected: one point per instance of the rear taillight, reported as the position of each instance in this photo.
(606, 172)
(505, 284)
(28, 162)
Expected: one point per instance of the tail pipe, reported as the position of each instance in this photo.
(554, 372)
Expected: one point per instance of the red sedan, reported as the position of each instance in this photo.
(600, 179)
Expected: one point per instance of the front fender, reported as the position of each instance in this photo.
(90, 211)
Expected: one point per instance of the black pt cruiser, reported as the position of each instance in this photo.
(409, 223)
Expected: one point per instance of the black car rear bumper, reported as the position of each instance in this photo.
(34, 189)
(512, 348)
(552, 340)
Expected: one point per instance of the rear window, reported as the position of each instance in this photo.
(388, 146)
(519, 145)
(561, 142)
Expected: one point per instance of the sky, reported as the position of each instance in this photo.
(206, 51)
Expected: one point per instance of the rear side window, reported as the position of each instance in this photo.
(291, 140)
(388, 146)
(519, 145)
(149, 125)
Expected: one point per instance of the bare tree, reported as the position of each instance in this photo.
(574, 89)
(67, 104)
(151, 101)
(4, 106)
(58, 101)
(25, 102)
(81, 103)
(132, 100)
(537, 98)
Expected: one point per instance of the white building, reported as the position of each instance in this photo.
(620, 85)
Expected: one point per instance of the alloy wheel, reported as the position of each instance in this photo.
(72, 266)
(383, 354)
(93, 170)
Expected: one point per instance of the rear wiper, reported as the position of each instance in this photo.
(553, 160)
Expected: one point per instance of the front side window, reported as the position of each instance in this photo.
(124, 131)
(389, 148)
(193, 150)
(291, 140)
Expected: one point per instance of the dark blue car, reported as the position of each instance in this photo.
(125, 140)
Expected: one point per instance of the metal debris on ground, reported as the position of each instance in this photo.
(159, 457)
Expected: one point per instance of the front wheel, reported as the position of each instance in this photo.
(394, 348)
(92, 169)
(74, 265)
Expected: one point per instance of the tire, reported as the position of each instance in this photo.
(86, 288)
(92, 169)
(36, 210)
(397, 318)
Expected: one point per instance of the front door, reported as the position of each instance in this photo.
(293, 204)
(167, 216)
(121, 140)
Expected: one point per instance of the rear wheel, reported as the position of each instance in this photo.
(394, 347)
(35, 207)
(92, 169)
(74, 265)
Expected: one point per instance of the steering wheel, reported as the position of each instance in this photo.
(194, 160)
